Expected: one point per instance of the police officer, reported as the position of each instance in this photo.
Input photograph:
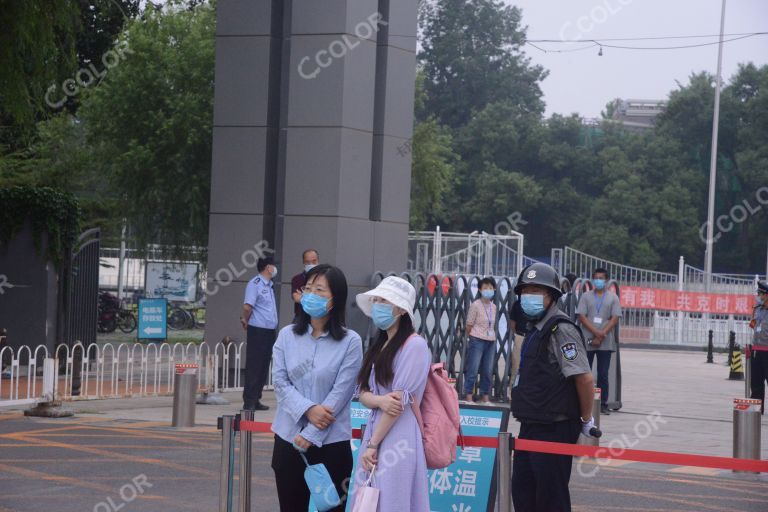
(551, 395)
(259, 320)
(760, 344)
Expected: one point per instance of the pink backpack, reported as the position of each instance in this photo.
(438, 417)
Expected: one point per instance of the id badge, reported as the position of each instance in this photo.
(489, 332)
(517, 381)
(758, 328)
(597, 320)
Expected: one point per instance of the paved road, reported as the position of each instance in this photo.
(99, 464)
(98, 460)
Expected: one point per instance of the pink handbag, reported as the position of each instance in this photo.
(367, 497)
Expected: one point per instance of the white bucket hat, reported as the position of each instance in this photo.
(396, 290)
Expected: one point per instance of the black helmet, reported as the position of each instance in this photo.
(762, 287)
(539, 274)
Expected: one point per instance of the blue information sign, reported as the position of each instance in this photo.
(153, 315)
(469, 484)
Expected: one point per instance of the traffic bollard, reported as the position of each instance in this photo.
(710, 347)
(746, 429)
(504, 475)
(245, 464)
(226, 499)
(184, 394)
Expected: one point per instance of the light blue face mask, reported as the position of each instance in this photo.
(383, 315)
(308, 267)
(488, 294)
(532, 304)
(599, 284)
(759, 299)
(314, 305)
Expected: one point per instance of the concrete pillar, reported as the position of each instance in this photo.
(313, 107)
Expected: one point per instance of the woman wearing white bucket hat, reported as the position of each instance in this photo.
(394, 374)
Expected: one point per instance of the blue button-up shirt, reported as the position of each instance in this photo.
(261, 297)
(309, 371)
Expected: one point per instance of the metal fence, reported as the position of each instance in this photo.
(116, 371)
(439, 253)
(582, 265)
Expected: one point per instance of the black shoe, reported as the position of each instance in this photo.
(604, 410)
(260, 407)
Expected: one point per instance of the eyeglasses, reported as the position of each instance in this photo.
(316, 290)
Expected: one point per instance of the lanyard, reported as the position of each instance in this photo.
(600, 305)
(489, 314)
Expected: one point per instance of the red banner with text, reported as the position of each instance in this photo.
(693, 302)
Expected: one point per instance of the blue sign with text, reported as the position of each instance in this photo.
(153, 314)
(469, 484)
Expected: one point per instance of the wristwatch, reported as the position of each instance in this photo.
(371, 445)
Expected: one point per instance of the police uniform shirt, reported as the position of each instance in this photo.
(261, 297)
(760, 335)
(602, 308)
(565, 345)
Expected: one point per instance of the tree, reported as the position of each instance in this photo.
(149, 126)
(432, 169)
(37, 48)
(471, 55)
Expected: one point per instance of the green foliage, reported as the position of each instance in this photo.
(432, 173)
(54, 218)
(148, 125)
(37, 48)
(471, 56)
(638, 198)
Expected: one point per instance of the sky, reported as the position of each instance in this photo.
(584, 82)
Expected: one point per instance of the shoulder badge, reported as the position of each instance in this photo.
(569, 351)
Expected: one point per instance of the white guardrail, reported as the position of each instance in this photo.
(113, 371)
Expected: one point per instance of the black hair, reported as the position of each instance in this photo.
(309, 250)
(600, 270)
(486, 280)
(384, 359)
(263, 262)
(337, 282)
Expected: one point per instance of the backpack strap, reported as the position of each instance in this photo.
(414, 406)
(553, 323)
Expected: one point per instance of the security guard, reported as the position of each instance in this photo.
(552, 394)
(259, 320)
(760, 344)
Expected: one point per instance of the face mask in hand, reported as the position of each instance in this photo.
(532, 304)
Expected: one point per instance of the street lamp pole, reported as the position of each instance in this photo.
(713, 159)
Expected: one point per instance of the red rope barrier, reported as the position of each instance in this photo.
(675, 459)
(597, 452)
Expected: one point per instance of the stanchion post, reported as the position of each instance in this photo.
(504, 473)
(245, 464)
(710, 347)
(226, 498)
(746, 428)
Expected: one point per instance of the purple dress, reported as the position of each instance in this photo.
(401, 473)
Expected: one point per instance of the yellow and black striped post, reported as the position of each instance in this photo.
(737, 368)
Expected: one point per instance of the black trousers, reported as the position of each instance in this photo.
(759, 375)
(540, 480)
(259, 344)
(288, 466)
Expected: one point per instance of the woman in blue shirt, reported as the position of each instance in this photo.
(315, 364)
